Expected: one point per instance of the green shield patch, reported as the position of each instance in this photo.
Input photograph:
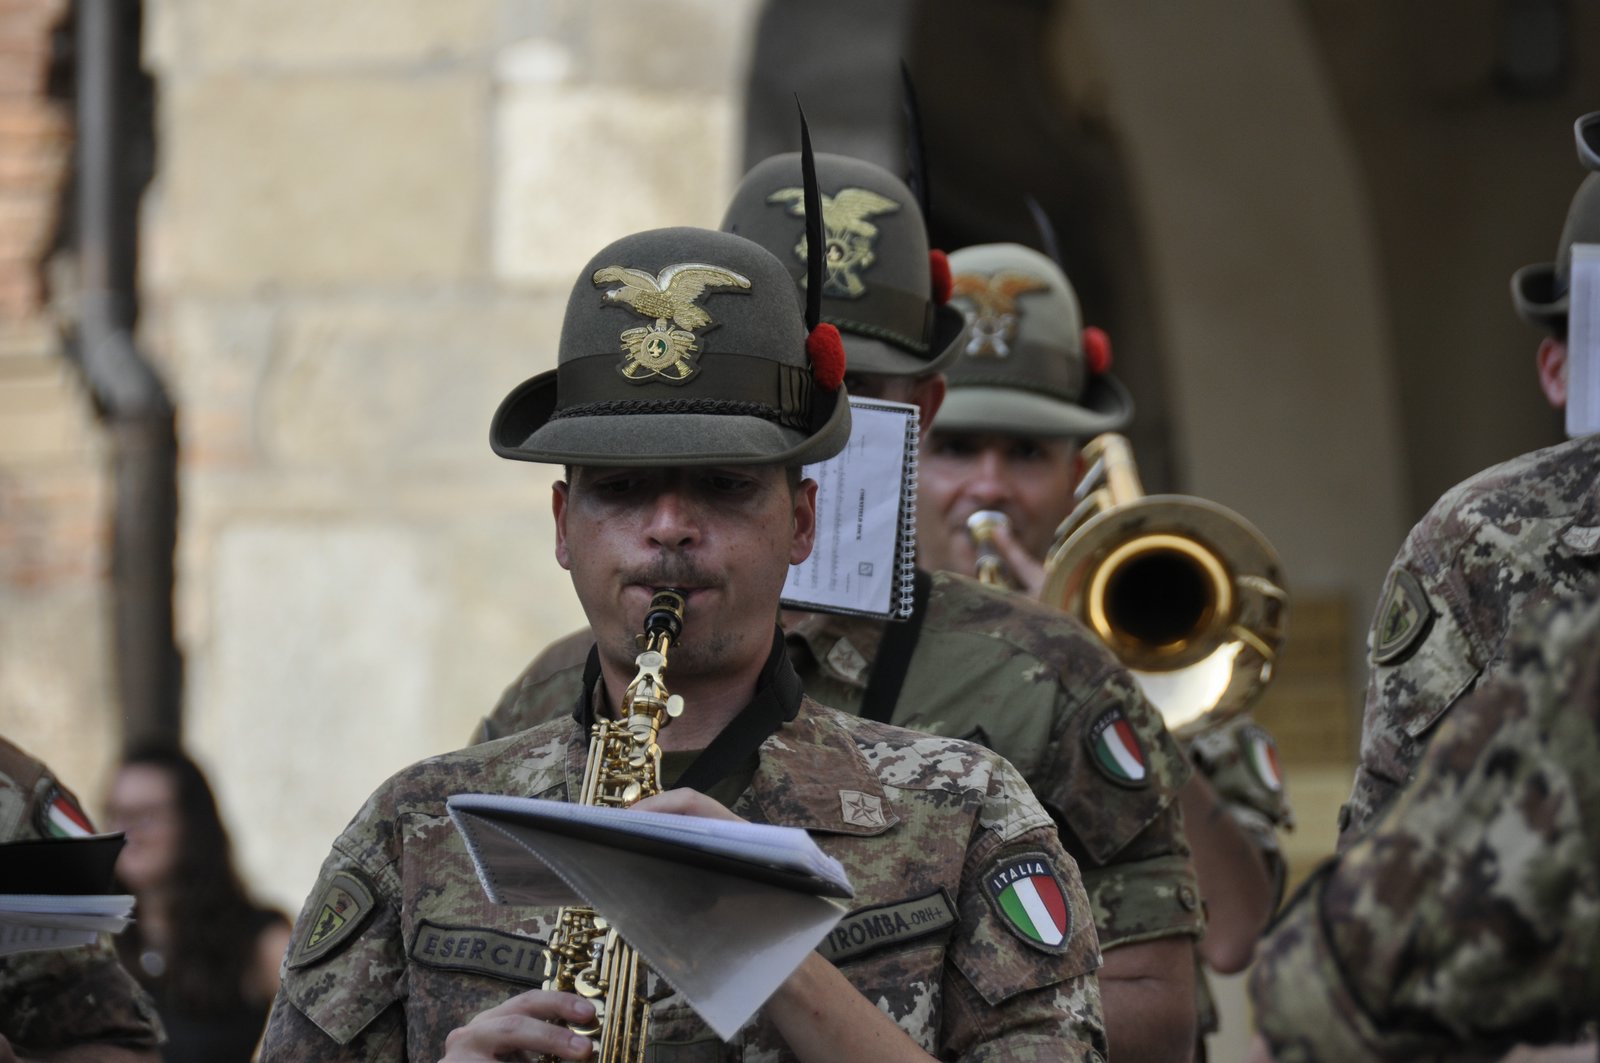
(1403, 619)
(342, 905)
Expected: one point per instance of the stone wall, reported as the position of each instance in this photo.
(365, 222)
(55, 677)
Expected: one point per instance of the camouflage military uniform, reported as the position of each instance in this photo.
(1024, 680)
(1491, 549)
(1240, 761)
(917, 821)
(1468, 919)
(58, 999)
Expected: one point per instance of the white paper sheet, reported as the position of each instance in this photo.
(1583, 342)
(725, 941)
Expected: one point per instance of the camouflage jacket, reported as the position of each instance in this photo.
(1493, 548)
(1240, 760)
(914, 819)
(1028, 682)
(61, 998)
(1468, 919)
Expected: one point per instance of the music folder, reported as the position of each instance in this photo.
(722, 911)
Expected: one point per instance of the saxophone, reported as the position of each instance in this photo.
(585, 955)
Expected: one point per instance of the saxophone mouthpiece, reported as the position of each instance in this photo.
(665, 614)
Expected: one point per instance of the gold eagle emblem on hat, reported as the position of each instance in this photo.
(846, 231)
(669, 298)
(992, 308)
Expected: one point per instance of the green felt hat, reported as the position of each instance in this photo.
(1541, 292)
(1023, 368)
(878, 286)
(680, 347)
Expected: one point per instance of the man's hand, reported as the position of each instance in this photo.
(1259, 1052)
(524, 1024)
(686, 802)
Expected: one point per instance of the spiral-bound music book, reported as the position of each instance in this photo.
(866, 550)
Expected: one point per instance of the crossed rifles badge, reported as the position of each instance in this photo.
(994, 311)
(846, 231)
(668, 297)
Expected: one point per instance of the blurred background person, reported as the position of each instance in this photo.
(207, 953)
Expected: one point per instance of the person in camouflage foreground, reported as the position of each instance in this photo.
(1493, 547)
(1468, 920)
(682, 440)
(1025, 680)
(64, 1002)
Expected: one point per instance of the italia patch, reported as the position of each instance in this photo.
(480, 951)
(868, 930)
(60, 817)
(342, 906)
(1261, 756)
(1027, 895)
(1115, 750)
(1403, 619)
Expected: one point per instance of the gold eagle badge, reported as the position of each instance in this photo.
(669, 298)
(993, 309)
(847, 232)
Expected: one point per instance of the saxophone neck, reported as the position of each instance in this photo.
(663, 624)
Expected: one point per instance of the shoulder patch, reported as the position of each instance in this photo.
(480, 951)
(343, 903)
(1260, 754)
(1115, 750)
(868, 930)
(1403, 619)
(1026, 893)
(59, 816)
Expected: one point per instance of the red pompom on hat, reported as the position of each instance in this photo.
(827, 356)
(939, 274)
(1096, 350)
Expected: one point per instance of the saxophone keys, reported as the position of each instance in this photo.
(675, 705)
(632, 792)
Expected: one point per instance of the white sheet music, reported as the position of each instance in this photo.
(1583, 342)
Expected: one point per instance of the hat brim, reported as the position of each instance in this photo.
(1533, 293)
(1106, 406)
(865, 354)
(522, 430)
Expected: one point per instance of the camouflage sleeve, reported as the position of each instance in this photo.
(58, 999)
(71, 997)
(344, 973)
(546, 689)
(1019, 1000)
(1240, 760)
(1422, 656)
(1116, 773)
(1468, 919)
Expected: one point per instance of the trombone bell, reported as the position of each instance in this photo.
(1187, 593)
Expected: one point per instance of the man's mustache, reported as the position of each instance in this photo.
(673, 571)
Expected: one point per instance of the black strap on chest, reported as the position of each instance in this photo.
(776, 701)
(894, 654)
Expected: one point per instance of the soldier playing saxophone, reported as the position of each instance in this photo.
(684, 443)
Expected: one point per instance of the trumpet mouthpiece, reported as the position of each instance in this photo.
(982, 524)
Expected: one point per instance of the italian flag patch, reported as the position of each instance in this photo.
(60, 817)
(1115, 749)
(1261, 753)
(1029, 898)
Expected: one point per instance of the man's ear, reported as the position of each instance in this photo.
(558, 506)
(928, 395)
(805, 521)
(1552, 359)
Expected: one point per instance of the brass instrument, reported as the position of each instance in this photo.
(1187, 593)
(585, 954)
(981, 526)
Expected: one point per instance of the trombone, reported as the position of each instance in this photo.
(1187, 593)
